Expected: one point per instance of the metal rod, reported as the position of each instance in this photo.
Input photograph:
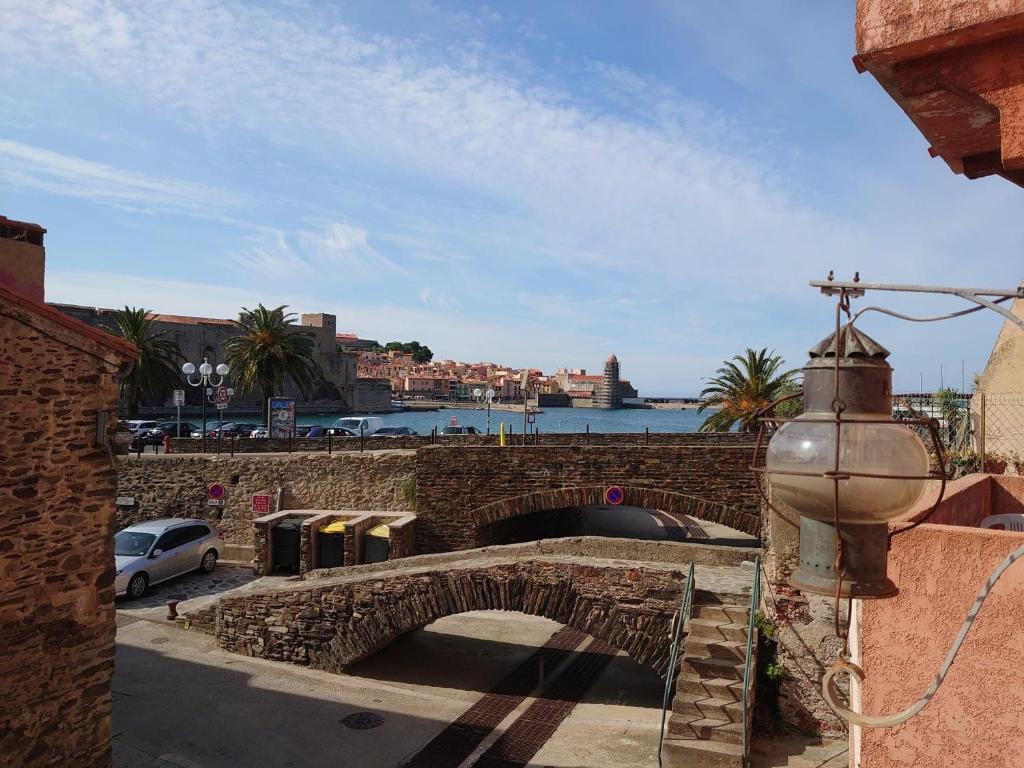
(1013, 293)
(755, 601)
(685, 607)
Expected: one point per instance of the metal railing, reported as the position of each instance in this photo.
(685, 607)
(755, 602)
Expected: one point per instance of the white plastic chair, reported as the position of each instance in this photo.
(1008, 522)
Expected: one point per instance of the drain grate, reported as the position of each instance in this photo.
(362, 721)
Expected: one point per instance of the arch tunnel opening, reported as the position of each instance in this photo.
(627, 522)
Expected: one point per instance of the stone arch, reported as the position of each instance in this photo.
(634, 496)
(333, 627)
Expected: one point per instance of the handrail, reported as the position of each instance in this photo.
(755, 601)
(685, 607)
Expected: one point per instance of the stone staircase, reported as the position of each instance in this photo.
(705, 727)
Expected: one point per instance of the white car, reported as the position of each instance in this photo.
(260, 432)
(157, 550)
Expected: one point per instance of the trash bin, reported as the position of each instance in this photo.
(284, 551)
(332, 545)
(377, 544)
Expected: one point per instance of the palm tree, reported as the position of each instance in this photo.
(743, 386)
(155, 373)
(269, 349)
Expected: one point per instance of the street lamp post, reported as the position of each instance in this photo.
(480, 397)
(205, 380)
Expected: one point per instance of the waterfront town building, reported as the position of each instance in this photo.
(340, 387)
(609, 394)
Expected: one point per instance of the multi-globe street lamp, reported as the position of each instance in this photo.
(211, 389)
(480, 396)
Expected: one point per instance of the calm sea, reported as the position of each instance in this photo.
(551, 420)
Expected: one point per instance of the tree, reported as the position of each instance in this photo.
(420, 352)
(155, 373)
(268, 350)
(744, 385)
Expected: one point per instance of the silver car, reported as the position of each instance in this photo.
(158, 550)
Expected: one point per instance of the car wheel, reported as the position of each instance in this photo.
(137, 586)
(209, 561)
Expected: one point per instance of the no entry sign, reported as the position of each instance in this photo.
(614, 495)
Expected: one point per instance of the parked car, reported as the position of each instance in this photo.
(395, 432)
(365, 425)
(156, 434)
(461, 431)
(260, 432)
(138, 425)
(157, 550)
(229, 429)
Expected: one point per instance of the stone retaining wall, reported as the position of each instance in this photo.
(412, 442)
(454, 484)
(331, 624)
(176, 485)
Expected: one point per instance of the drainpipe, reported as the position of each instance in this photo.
(280, 499)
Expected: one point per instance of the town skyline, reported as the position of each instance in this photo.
(626, 167)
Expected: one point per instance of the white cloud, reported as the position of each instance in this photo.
(24, 165)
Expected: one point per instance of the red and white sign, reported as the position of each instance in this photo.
(216, 491)
(260, 504)
(614, 495)
(222, 397)
(454, 421)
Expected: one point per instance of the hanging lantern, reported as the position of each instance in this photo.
(846, 468)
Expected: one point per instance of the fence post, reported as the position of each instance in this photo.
(330, 444)
(981, 433)
(361, 438)
(647, 435)
(232, 443)
(291, 432)
(588, 434)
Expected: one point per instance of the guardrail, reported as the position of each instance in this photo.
(685, 607)
(755, 601)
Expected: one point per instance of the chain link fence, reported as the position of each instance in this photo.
(980, 432)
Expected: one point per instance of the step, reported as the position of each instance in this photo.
(708, 707)
(714, 628)
(731, 614)
(707, 647)
(690, 753)
(703, 666)
(706, 729)
(715, 687)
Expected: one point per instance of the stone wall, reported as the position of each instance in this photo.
(333, 623)
(320, 445)
(176, 485)
(56, 539)
(452, 483)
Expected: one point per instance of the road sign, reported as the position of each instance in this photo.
(453, 421)
(282, 417)
(217, 491)
(614, 495)
(215, 502)
(222, 397)
(260, 504)
(179, 397)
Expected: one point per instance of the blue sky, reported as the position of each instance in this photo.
(534, 183)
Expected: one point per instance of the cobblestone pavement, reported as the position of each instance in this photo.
(195, 587)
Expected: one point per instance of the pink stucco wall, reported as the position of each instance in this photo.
(977, 718)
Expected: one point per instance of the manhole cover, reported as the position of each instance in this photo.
(362, 721)
(158, 640)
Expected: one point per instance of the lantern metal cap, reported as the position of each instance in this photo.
(850, 343)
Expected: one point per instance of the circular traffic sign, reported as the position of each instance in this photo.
(222, 395)
(614, 495)
(216, 491)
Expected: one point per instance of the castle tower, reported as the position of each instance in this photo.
(609, 394)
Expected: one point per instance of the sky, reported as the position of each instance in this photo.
(539, 184)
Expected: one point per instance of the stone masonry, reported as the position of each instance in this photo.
(176, 485)
(58, 381)
(452, 483)
(335, 622)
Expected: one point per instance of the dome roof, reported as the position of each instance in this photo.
(613, 359)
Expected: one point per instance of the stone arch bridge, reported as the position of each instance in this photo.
(335, 619)
(462, 492)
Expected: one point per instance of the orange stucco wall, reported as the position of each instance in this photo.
(975, 720)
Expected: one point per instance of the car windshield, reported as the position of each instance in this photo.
(352, 424)
(133, 543)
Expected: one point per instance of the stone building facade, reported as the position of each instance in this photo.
(22, 257)
(609, 393)
(338, 389)
(59, 387)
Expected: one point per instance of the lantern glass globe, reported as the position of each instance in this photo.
(206, 369)
(808, 445)
(188, 369)
(490, 394)
(222, 369)
(477, 392)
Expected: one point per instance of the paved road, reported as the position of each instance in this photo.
(180, 701)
